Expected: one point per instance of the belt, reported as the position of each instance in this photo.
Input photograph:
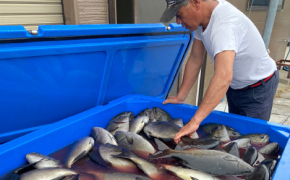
(258, 83)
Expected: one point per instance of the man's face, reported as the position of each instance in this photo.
(188, 16)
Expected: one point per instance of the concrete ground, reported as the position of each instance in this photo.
(281, 106)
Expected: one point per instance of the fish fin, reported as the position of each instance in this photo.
(130, 139)
(111, 129)
(194, 178)
(178, 148)
(112, 137)
(98, 159)
(160, 145)
(124, 154)
(161, 154)
(230, 158)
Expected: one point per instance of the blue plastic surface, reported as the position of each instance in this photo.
(60, 134)
(65, 70)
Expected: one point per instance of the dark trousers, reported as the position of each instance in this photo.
(254, 102)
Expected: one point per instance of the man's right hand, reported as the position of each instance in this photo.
(173, 100)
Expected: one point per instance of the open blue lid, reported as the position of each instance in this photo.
(67, 69)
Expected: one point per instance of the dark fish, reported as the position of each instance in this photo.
(177, 122)
(270, 149)
(257, 138)
(210, 161)
(271, 165)
(148, 168)
(232, 148)
(127, 113)
(158, 114)
(250, 155)
(47, 174)
(187, 143)
(79, 150)
(138, 123)
(123, 176)
(162, 130)
(121, 123)
(260, 173)
(208, 127)
(103, 136)
(72, 177)
(219, 133)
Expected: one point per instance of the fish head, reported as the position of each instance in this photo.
(147, 131)
(260, 138)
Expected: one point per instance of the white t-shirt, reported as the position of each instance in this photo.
(230, 29)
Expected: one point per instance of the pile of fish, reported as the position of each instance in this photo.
(145, 142)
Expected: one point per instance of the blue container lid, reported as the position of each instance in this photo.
(67, 69)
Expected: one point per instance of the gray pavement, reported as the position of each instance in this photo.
(281, 105)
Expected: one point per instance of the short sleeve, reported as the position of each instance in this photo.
(225, 38)
(197, 33)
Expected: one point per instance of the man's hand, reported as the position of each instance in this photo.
(173, 100)
(188, 129)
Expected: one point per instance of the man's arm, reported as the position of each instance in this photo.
(217, 89)
(192, 69)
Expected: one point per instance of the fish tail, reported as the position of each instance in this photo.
(160, 145)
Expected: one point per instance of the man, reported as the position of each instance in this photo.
(243, 69)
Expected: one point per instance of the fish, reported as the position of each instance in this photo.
(105, 154)
(210, 161)
(127, 114)
(177, 122)
(119, 124)
(195, 135)
(257, 138)
(208, 127)
(162, 130)
(242, 143)
(47, 163)
(36, 157)
(138, 124)
(187, 143)
(145, 112)
(158, 114)
(134, 142)
(71, 177)
(79, 150)
(260, 173)
(102, 136)
(219, 133)
(47, 174)
(250, 155)
(270, 164)
(148, 168)
(232, 148)
(270, 149)
(189, 174)
(123, 176)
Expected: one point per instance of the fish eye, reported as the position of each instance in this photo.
(234, 133)
(262, 136)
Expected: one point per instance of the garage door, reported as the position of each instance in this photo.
(31, 13)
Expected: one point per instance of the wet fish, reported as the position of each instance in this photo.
(187, 143)
(102, 136)
(47, 174)
(135, 142)
(145, 112)
(189, 174)
(242, 143)
(158, 114)
(177, 122)
(127, 113)
(47, 163)
(148, 168)
(119, 124)
(257, 138)
(250, 155)
(208, 127)
(270, 164)
(35, 157)
(270, 149)
(71, 177)
(80, 149)
(219, 133)
(138, 123)
(106, 153)
(210, 161)
(232, 148)
(260, 173)
(123, 176)
(162, 130)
